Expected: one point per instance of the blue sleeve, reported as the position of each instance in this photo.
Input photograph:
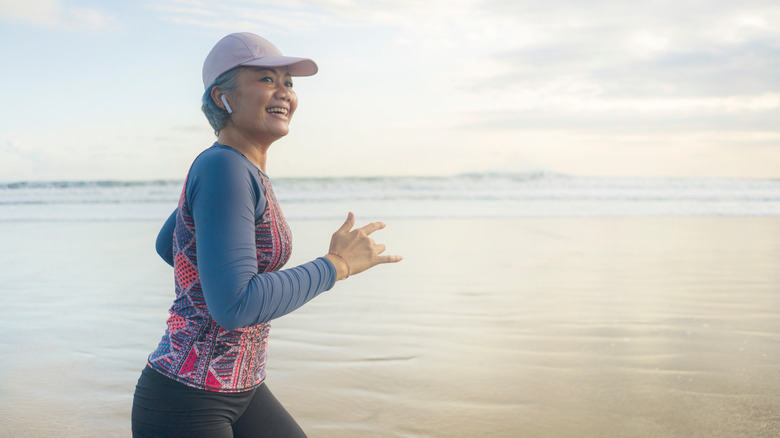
(164, 244)
(224, 198)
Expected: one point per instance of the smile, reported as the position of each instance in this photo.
(277, 110)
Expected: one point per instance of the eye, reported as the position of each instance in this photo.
(268, 79)
(288, 84)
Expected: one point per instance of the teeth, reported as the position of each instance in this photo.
(277, 110)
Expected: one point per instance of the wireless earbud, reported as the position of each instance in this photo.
(227, 107)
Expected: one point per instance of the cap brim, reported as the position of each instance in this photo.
(297, 66)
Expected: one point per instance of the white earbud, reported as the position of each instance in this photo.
(227, 107)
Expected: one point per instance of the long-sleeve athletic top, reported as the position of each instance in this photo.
(227, 241)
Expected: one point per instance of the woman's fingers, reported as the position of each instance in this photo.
(374, 226)
(349, 223)
(359, 250)
(389, 259)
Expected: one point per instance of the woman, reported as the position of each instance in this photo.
(227, 241)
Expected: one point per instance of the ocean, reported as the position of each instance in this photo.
(533, 305)
(462, 196)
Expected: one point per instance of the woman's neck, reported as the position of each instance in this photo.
(255, 152)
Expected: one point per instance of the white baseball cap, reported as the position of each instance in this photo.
(248, 49)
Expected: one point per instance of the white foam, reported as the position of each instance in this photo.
(524, 195)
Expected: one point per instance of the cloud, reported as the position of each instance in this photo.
(616, 69)
(619, 66)
(18, 159)
(299, 16)
(647, 48)
(231, 15)
(670, 122)
(51, 13)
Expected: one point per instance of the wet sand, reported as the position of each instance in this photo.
(656, 327)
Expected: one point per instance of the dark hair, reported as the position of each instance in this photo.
(218, 117)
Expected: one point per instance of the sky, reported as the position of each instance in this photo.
(110, 90)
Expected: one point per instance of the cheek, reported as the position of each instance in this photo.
(293, 103)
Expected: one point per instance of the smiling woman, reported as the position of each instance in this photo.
(261, 106)
(226, 241)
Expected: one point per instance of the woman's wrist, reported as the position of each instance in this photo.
(343, 270)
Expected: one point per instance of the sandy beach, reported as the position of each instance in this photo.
(571, 327)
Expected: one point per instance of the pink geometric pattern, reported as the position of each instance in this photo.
(195, 350)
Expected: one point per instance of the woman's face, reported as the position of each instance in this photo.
(263, 103)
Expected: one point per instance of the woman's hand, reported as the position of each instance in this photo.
(352, 251)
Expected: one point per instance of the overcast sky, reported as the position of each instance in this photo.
(686, 88)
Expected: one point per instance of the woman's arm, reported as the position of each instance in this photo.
(224, 197)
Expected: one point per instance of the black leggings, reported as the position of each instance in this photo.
(163, 407)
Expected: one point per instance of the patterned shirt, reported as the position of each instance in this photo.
(227, 241)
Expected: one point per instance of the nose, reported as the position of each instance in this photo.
(283, 92)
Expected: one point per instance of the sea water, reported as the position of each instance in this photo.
(461, 196)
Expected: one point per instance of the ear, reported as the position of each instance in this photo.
(216, 95)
